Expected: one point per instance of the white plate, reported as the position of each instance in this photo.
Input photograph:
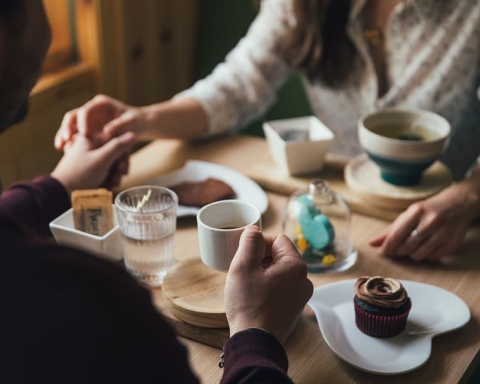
(434, 311)
(245, 188)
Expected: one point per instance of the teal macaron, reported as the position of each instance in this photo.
(316, 227)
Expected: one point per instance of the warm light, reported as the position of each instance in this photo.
(60, 52)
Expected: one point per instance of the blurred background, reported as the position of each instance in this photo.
(139, 51)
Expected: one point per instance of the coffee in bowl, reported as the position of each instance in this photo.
(403, 142)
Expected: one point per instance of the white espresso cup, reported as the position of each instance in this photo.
(220, 226)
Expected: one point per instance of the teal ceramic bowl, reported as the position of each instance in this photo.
(403, 142)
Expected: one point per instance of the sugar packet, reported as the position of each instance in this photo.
(92, 211)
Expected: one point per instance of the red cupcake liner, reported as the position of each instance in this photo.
(381, 325)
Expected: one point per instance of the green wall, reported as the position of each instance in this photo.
(222, 24)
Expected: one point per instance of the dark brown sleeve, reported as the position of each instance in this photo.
(34, 204)
(254, 356)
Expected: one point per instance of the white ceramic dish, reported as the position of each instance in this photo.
(245, 188)
(434, 311)
(298, 145)
(108, 246)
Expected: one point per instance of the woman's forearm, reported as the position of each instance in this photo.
(175, 119)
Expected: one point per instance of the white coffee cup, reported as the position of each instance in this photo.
(220, 226)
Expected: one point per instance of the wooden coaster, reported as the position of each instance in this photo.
(363, 176)
(194, 294)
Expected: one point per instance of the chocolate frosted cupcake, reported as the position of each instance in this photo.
(381, 306)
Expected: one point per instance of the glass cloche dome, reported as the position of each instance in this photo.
(317, 220)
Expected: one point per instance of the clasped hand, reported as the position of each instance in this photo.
(101, 122)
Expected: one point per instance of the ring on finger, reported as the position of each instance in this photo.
(417, 236)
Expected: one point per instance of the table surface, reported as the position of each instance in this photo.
(454, 355)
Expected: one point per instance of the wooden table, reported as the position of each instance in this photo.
(454, 355)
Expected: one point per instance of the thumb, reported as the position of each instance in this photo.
(116, 148)
(251, 248)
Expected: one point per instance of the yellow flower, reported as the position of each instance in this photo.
(329, 259)
(302, 244)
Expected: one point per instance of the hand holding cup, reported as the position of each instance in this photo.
(267, 285)
(220, 225)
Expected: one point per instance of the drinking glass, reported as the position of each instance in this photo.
(147, 217)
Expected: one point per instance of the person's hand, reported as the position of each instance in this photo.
(432, 228)
(91, 164)
(267, 285)
(100, 118)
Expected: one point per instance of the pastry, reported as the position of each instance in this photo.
(200, 193)
(381, 306)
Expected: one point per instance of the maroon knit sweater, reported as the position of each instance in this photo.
(70, 317)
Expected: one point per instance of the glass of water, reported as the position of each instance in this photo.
(147, 217)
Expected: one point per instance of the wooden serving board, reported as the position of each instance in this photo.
(272, 178)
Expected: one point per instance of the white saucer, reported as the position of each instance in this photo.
(434, 311)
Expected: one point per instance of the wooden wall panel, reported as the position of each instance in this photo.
(142, 51)
(140, 54)
(153, 44)
(185, 29)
